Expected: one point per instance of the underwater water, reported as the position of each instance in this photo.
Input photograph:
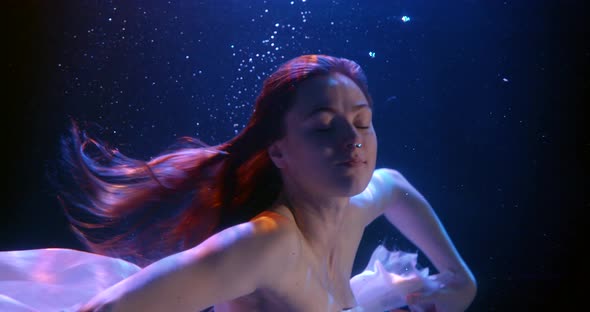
(475, 103)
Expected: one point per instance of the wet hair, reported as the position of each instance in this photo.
(142, 211)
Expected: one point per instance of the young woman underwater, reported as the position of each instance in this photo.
(268, 221)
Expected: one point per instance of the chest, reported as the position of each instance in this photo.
(312, 286)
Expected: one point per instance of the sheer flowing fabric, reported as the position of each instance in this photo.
(56, 279)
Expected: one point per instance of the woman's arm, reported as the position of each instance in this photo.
(411, 213)
(413, 216)
(390, 194)
(230, 264)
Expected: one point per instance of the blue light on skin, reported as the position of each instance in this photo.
(405, 19)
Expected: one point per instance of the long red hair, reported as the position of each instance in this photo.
(142, 211)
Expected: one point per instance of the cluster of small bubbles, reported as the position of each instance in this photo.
(257, 61)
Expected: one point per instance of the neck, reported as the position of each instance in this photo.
(320, 220)
(321, 223)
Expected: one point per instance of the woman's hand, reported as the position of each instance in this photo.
(391, 281)
(107, 300)
(388, 279)
(381, 290)
(97, 304)
(454, 294)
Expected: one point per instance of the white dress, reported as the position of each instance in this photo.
(57, 279)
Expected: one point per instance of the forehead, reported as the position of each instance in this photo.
(332, 89)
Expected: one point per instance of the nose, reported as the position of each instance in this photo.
(354, 145)
(352, 139)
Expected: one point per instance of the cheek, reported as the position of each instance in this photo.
(374, 143)
(371, 140)
(372, 148)
(306, 151)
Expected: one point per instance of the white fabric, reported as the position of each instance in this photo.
(56, 279)
(388, 278)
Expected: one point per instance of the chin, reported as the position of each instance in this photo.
(353, 187)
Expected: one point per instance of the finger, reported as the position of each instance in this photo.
(380, 269)
(445, 276)
(421, 298)
(450, 279)
(423, 308)
(412, 298)
(431, 308)
(415, 308)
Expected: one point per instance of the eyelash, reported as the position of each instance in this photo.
(328, 129)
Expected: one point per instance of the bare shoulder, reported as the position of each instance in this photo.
(258, 251)
(378, 195)
(277, 225)
(230, 264)
(281, 244)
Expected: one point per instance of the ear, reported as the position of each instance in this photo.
(276, 155)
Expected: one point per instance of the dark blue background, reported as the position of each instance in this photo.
(478, 104)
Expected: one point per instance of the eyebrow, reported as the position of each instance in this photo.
(331, 110)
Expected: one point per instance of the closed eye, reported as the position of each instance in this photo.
(328, 129)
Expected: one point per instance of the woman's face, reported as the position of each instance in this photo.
(329, 115)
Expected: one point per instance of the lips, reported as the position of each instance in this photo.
(351, 162)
